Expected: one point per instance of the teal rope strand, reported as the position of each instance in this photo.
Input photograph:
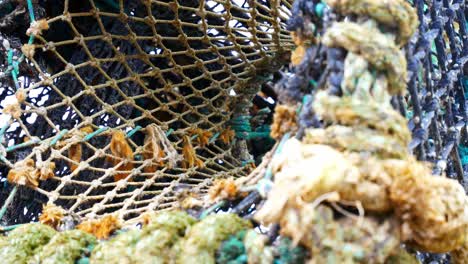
(246, 162)
(214, 137)
(14, 65)
(95, 133)
(9, 228)
(58, 137)
(10, 57)
(14, 73)
(4, 128)
(30, 41)
(241, 125)
(133, 131)
(8, 201)
(463, 149)
(463, 153)
(22, 145)
(269, 172)
(169, 132)
(212, 209)
(31, 11)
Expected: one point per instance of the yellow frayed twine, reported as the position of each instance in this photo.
(28, 172)
(52, 215)
(37, 27)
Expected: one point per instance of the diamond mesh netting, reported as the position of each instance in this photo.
(112, 109)
(170, 74)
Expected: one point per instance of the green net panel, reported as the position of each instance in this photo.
(155, 70)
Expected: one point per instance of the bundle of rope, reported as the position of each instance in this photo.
(357, 156)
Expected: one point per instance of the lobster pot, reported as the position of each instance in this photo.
(119, 106)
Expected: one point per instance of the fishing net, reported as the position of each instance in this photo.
(135, 107)
(118, 104)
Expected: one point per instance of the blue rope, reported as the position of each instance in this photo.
(463, 153)
(24, 144)
(212, 209)
(462, 148)
(95, 133)
(169, 132)
(133, 131)
(269, 172)
(14, 64)
(58, 137)
(31, 11)
(7, 202)
(319, 9)
(241, 125)
(214, 137)
(246, 162)
(4, 128)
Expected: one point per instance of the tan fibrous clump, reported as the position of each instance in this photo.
(14, 110)
(122, 153)
(45, 169)
(75, 150)
(350, 111)
(353, 177)
(460, 255)
(227, 135)
(377, 48)
(37, 27)
(393, 13)
(295, 183)
(101, 228)
(298, 54)
(21, 95)
(358, 139)
(145, 218)
(223, 189)
(51, 215)
(191, 200)
(284, 121)
(190, 156)
(202, 136)
(74, 153)
(158, 149)
(28, 50)
(433, 210)
(26, 173)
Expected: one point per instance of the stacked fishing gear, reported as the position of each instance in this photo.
(367, 128)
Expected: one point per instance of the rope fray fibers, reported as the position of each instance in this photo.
(28, 172)
(159, 149)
